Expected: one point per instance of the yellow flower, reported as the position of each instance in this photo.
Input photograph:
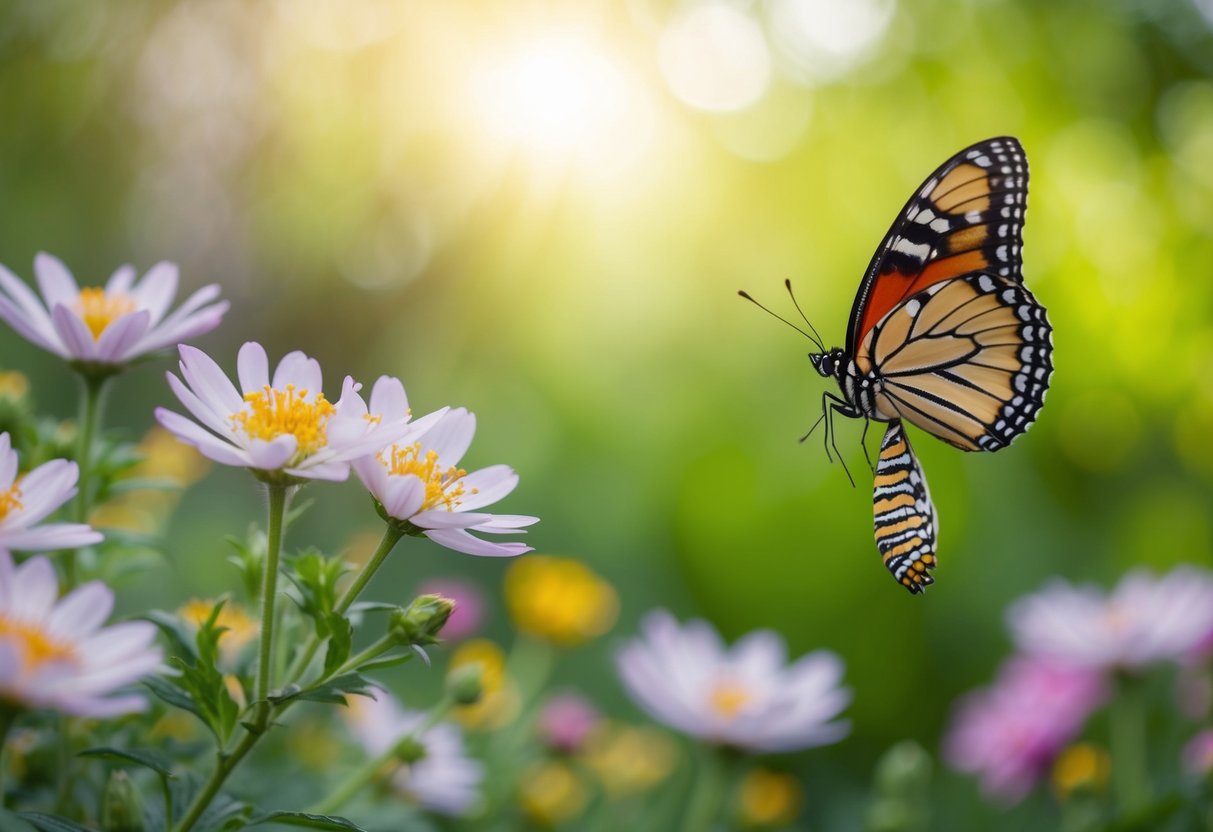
(629, 760)
(769, 798)
(1081, 767)
(241, 627)
(500, 701)
(13, 385)
(552, 793)
(559, 599)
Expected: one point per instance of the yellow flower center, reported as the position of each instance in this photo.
(38, 647)
(442, 488)
(728, 698)
(10, 499)
(272, 413)
(98, 309)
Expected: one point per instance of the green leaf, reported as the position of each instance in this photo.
(180, 635)
(374, 606)
(307, 821)
(333, 691)
(173, 695)
(392, 661)
(147, 759)
(340, 642)
(51, 823)
(11, 823)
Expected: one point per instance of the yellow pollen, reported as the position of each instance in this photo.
(442, 488)
(728, 698)
(10, 499)
(272, 413)
(39, 647)
(98, 309)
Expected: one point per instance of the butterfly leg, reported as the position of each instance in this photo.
(863, 444)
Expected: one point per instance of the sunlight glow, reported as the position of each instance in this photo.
(715, 57)
(823, 39)
(557, 95)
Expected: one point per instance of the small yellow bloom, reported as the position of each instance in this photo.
(1082, 767)
(769, 798)
(559, 599)
(242, 628)
(13, 385)
(629, 760)
(500, 702)
(552, 793)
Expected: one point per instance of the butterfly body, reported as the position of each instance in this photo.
(944, 335)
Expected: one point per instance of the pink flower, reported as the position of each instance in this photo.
(468, 615)
(1198, 754)
(565, 722)
(1144, 621)
(284, 425)
(1010, 732)
(110, 326)
(420, 484)
(55, 654)
(26, 501)
(746, 696)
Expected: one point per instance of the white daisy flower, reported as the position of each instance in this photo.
(105, 326)
(284, 426)
(55, 654)
(1145, 620)
(445, 780)
(418, 482)
(28, 500)
(746, 696)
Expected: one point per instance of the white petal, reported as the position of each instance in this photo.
(32, 329)
(272, 455)
(157, 289)
(440, 518)
(35, 589)
(51, 537)
(120, 281)
(206, 442)
(117, 339)
(461, 541)
(487, 486)
(8, 462)
(297, 369)
(388, 398)
(253, 368)
(208, 381)
(75, 335)
(451, 436)
(55, 281)
(43, 490)
(82, 611)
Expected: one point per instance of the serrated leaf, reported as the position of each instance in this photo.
(173, 695)
(147, 759)
(51, 823)
(341, 638)
(308, 821)
(179, 634)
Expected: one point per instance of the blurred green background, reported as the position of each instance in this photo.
(542, 211)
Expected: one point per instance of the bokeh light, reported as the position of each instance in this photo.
(715, 57)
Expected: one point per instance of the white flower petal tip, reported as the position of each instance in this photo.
(102, 329)
(55, 654)
(745, 697)
(446, 780)
(1144, 621)
(26, 502)
(419, 485)
(280, 425)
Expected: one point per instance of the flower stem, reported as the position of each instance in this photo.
(1128, 740)
(370, 770)
(391, 536)
(707, 794)
(226, 763)
(91, 406)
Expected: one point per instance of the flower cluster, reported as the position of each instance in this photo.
(1077, 647)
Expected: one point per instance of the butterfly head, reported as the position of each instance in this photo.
(828, 363)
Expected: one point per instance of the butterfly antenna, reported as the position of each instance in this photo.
(746, 295)
(816, 338)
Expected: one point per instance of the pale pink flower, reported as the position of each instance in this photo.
(566, 721)
(26, 501)
(445, 780)
(1010, 732)
(469, 613)
(1145, 620)
(284, 426)
(55, 653)
(1198, 754)
(418, 482)
(106, 326)
(746, 696)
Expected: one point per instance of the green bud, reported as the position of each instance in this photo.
(121, 805)
(409, 750)
(421, 622)
(465, 684)
(903, 770)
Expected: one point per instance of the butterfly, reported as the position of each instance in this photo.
(944, 335)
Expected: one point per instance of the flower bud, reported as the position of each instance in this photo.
(121, 805)
(409, 750)
(905, 769)
(421, 622)
(465, 683)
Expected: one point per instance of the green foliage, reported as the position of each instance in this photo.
(306, 821)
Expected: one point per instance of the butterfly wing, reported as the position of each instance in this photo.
(968, 216)
(906, 524)
(967, 360)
